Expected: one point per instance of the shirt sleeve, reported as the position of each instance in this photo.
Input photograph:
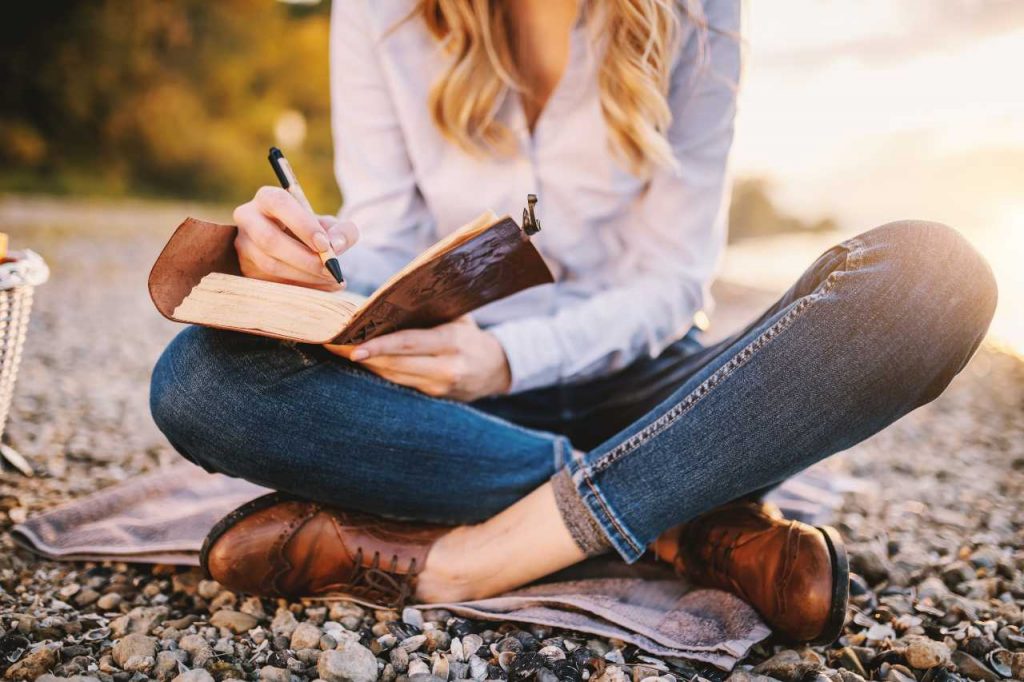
(371, 160)
(676, 235)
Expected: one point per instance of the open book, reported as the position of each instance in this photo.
(196, 279)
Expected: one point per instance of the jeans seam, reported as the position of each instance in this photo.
(585, 474)
(306, 359)
(853, 261)
(562, 453)
(610, 515)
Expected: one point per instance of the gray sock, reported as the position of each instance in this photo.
(582, 525)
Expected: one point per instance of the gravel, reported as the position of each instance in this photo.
(932, 519)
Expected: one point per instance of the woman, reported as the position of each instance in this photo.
(570, 419)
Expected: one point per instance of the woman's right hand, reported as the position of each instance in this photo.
(279, 240)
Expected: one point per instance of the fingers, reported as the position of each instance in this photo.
(434, 376)
(341, 350)
(411, 365)
(276, 203)
(343, 235)
(262, 264)
(434, 341)
(262, 240)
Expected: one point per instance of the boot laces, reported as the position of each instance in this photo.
(375, 581)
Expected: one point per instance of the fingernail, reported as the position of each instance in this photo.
(321, 242)
(360, 354)
(339, 243)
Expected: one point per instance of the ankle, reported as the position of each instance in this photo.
(447, 576)
(521, 544)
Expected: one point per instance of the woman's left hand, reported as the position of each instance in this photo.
(457, 360)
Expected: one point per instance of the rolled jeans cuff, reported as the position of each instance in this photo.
(591, 521)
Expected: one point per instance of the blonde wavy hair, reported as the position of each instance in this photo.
(637, 39)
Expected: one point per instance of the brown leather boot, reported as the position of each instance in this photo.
(281, 546)
(795, 575)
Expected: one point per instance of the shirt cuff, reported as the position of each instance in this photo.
(533, 351)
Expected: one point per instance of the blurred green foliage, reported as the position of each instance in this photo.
(149, 97)
(183, 98)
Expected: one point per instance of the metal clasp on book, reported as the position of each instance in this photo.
(531, 225)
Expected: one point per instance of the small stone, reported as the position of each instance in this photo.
(880, 632)
(412, 616)
(477, 667)
(350, 662)
(269, 673)
(168, 664)
(135, 653)
(26, 623)
(932, 588)
(871, 562)
(254, 607)
(306, 636)
(844, 675)
(235, 621)
(284, 623)
(208, 589)
(399, 658)
(107, 665)
(198, 648)
(1017, 665)
(437, 639)
(181, 623)
(848, 659)
(86, 597)
(898, 673)
(35, 664)
(194, 675)
(140, 620)
(969, 666)
(185, 583)
(923, 653)
(612, 673)
(224, 645)
(108, 602)
(1011, 613)
(985, 556)
(341, 610)
(413, 643)
(224, 600)
(785, 665)
(957, 572)
(744, 676)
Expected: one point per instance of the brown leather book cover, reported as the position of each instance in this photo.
(495, 263)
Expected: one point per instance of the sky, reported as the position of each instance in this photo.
(880, 110)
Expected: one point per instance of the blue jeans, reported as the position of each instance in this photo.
(876, 327)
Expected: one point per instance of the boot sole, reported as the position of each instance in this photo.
(840, 586)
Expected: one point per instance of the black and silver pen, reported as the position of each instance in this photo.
(286, 176)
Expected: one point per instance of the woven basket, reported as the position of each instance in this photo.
(18, 279)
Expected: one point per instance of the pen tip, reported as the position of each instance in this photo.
(275, 153)
(335, 269)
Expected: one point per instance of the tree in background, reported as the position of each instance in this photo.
(164, 98)
(754, 214)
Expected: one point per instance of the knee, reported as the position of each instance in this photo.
(929, 298)
(938, 277)
(183, 381)
(201, 384)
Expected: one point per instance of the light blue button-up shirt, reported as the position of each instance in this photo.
(632, 259)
